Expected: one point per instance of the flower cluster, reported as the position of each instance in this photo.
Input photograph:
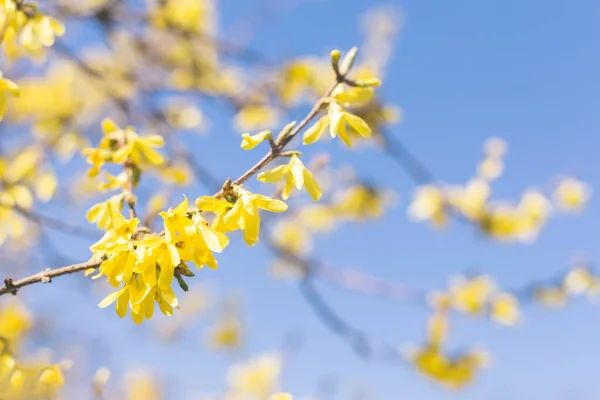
(504, 221)
(580, 280)
(124, 145)
(453, 372)
(37, 378)
(479, 295)
(144, 266)
(25, 30)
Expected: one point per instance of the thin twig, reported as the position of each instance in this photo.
(275, 151)
(12, 286)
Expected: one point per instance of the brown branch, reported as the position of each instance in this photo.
(11, 286)
(276, 149)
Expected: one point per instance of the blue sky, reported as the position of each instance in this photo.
(462, 71)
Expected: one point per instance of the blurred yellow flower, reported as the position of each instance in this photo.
(258, 377)
(428, 204)
(572, 194)
(253, 117)
(505, 309)
(6, 87)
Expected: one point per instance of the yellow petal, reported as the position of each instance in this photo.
(358, 124)
(269, 204)
(251, 141)
(111, 298)
(312, 186)
(109, 126)
(355, 95)
(183, 207)
(274, 175)
(315, 132)
(251, 226)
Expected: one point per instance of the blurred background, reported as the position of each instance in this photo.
(201, 73)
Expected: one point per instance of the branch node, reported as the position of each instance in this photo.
(45, 278)
(8, 282)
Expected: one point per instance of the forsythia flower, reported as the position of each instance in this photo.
(429, 203)
(241, 214)
(15, 322)
(6, 87)
(227, 334)
(360, 202)
(121, 145)
(146, 268)
(471, 295)
(251, 141)
(39, 31)
(505, 309)
(103, 213)
(337, 119)
(257, 378)
(281, 396)
(21, 381)
(550, 296)
(295, 174)
(580, 281)
(255, 117)
(571, 194)
(453, 373)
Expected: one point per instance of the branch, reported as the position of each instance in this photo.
(11, 286)
(276, 150)
(50, 222)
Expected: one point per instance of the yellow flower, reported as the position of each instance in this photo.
(227, 334)
(195, 240)
(39, 31)
(428, 204)
(535, 206)
(452, 373)
(51, 378)
(470, 296)
(251, 141)
(6, 87)
(351, 96)
(360, 202)
(580, 281)
(337, 119)
(96, 157)
(132, 146)
(281, 396)
(114, 182)
(104, 213)
(318, 217)
(15, 322)
(504, 222)
(550, 297)
(292, 237)
(490, 168)
(505, 309)
(243, 214)
(45, 185)
(571, 194)
(495, 148)
(257, 378)
(473, 198)
(295, 174)
(117, 228)
(256, 116)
